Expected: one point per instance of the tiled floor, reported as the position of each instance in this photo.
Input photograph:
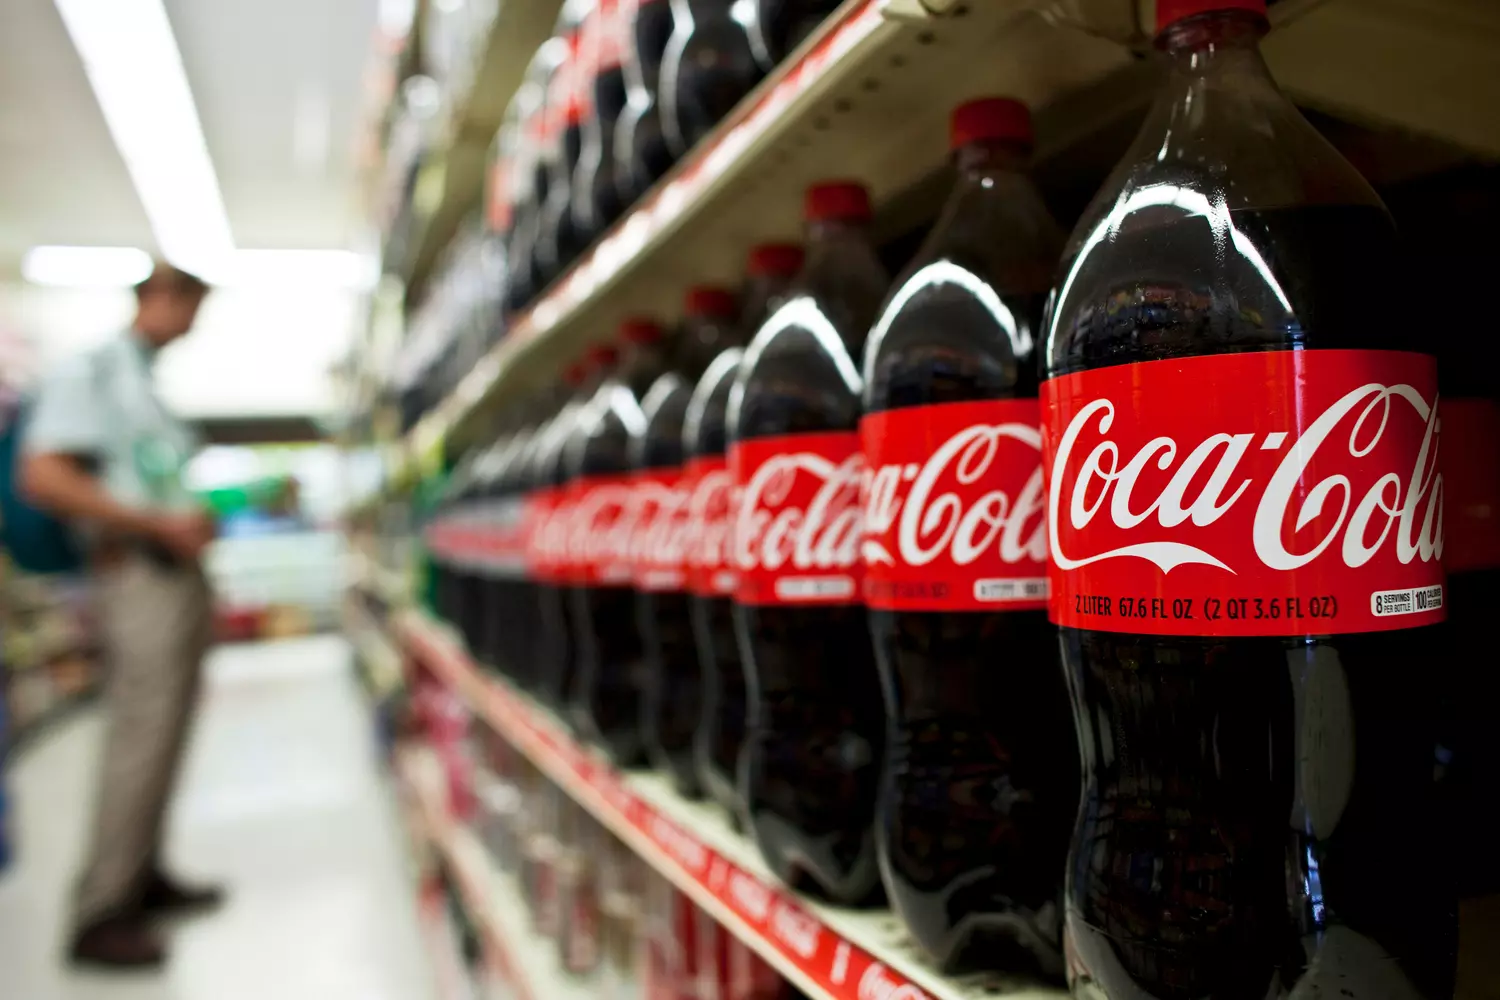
(281, 800)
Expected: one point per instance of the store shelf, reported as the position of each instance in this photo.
(492, 898)
(386, 585)
(830, 953)
(451, 182)
(869, 96)
(379, 658)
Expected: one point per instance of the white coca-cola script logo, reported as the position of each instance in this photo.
(601, 525)
(706, 544)
(550, 539)
(937, 508)
(659, 538)
(1375, 506)
(772, 532)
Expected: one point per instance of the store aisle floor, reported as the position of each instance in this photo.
(282, 801)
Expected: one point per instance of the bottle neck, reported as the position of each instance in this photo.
(975, 161)
(823, 233)
(1227, 41)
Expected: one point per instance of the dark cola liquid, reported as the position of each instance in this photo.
(512, 616)
(1444, 223)
(1260, 815)
(815, 737)
(674, 689)
(721, 731)
(561, 240)
(981, 782)
(779, 26)
(526, 275)
(606, 696)
(641, 152)
(596, 196)
(553, 649)
(708, 67)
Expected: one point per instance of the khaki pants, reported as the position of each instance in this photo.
(155, 625)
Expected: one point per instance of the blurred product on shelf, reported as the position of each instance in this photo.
(596, 188)
(559, 240)
(49, 657)
(674, 683)
(526, 140)
(607, 698)
(1216, 298)
(456, 321)
(708, 67)
(555, 650)
(641, 153)
(816, 730)
(981, 775)
(777, 27)
(708, 555)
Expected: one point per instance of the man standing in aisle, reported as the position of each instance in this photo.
(101, 452)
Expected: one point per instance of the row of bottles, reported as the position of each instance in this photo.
(623, 90)
(615, 925)
(850, 558)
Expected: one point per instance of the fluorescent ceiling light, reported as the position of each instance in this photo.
(121, 267)
(91, 267)
(132, 62)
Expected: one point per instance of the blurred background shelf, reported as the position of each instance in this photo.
(828, 952)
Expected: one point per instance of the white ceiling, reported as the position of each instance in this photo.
(256, 68)
(270, 78)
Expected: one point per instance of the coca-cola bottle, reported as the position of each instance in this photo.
(596, 197)
(560, 241)
(1444, 221)
(530, 175)
(981, 775)
(641, 151)
(605, 701)
(554, 650)
(707, 68)
(504, 621)
(815, 733)
(674, 682)
(710, 573)
(444, 539)
(778, 26)
(1241, 432)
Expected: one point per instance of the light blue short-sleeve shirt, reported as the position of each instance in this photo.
(103, 404)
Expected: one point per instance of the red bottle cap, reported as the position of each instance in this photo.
(639, 330)
(992, 119)
(707, 300)
(1169, 12)
(603, 356)
(775, 258)
(847, 200)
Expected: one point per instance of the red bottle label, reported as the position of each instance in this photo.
(955, 507)
(550, 548)
(1471, 484)
(660, 534)
(710, 507)
(796, 532)
(600, 525)
(540, 507)
(1269, 493)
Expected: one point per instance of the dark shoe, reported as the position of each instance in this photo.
(121, 942)
(166, 897)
